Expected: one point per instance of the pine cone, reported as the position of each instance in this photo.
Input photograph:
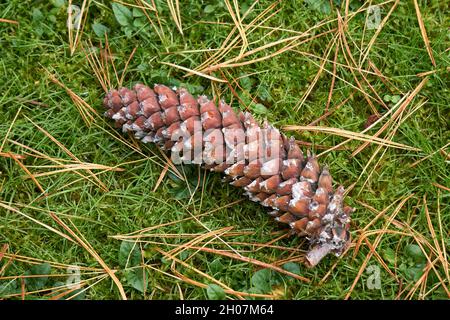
(269, 166)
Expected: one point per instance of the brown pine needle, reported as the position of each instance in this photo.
(174, 8)
(11, 155)
(174, 259)
(198, 73)
(161, 177)
(380, 27)
(9, 129)
(423, 31)
(82, 16)
(235, 16)
(330, 112)
(68, 152)
(230, 43)
(126, 66)
(440, 186)
(61, 162)
(12, 209)
(383, 78)
(9, 21)
(437, 247)
(93, 253)
(97, 67)
(333, 79)
(318, 74)
(57, 265)
(253, 261)
(351, 135)
(32, 177)
(375, 245)
(86, 111)
(3, 251)
(395, 115)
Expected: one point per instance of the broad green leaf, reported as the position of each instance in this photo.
(123, 14)
(37, 15)
(128, 30)
(215, 292)
(395, 98)
(389, 255)
(387, 98)
(129, 254)
(9, 287)
(414, 251)
(37, 283)
(100, 29)
(59, 3)
(139, 22)
(216, 265)
(292, 267)
(209, 8)
(138, 279)
(259, 108)
(414, 273)
(138, 12)
(261, 280)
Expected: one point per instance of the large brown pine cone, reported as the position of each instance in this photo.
(270, 167)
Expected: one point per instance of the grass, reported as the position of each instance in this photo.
(74, 193)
